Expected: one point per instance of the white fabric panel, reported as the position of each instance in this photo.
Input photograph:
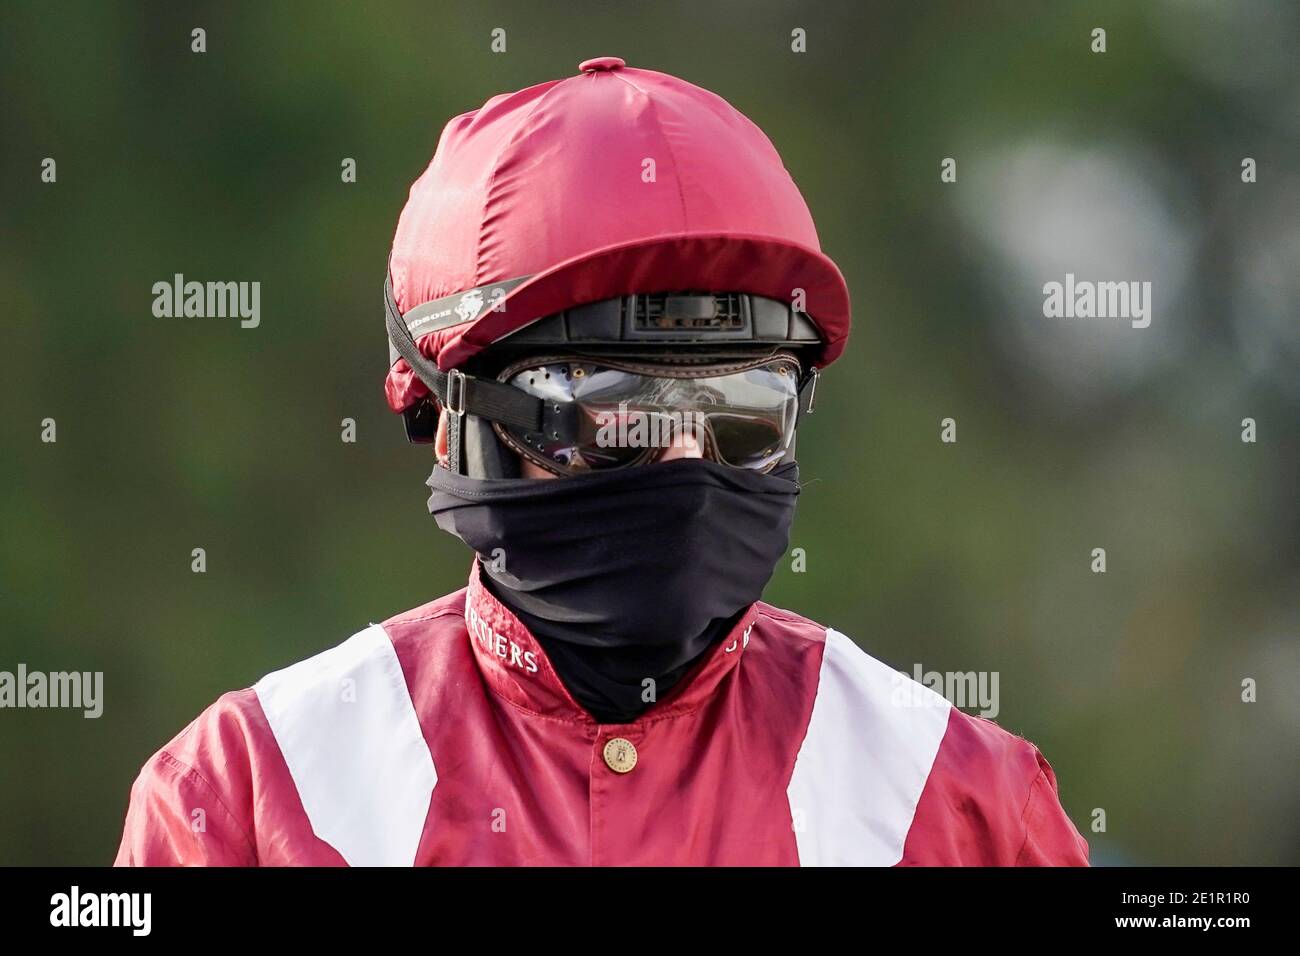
(348, 731)
(871, 742)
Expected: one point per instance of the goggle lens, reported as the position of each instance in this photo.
(604, 416)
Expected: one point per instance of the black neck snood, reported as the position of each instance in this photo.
(624, 575)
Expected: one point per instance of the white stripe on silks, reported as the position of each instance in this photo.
(346, 726)
(871, 742)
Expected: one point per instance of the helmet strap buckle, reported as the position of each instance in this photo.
(456, 392)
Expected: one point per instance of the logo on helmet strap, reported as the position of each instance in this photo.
(470, 305)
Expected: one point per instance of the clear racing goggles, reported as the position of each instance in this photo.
(601, 413)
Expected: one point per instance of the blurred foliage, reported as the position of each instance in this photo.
(175, 434)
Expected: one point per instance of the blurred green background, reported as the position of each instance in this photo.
(1072, 434)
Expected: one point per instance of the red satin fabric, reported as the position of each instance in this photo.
(510, 745)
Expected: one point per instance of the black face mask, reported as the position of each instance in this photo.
(625, 574)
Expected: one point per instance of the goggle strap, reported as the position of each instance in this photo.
(459, 393)
(463, 394)
(809, 385)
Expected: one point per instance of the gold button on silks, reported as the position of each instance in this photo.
(620, 755)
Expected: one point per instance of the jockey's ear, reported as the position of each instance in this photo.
(440, 440)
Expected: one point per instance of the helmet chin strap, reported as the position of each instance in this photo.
(459, 394)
